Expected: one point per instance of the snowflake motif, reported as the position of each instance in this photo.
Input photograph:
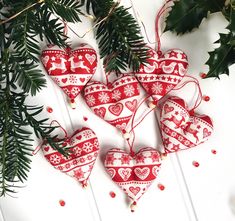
(67, 91)
(77, 151)
(154, 156)
(180, 138)
(75, 162)
(167, 130)
(73, 79)
(60, 168)
(116, 95)
(79, 174)
(125, 159)
(103, 97)
(145, 86)
(87, 147)
(169, 88)
(173, 134)
(67, 165)
(90, 100)
(129, 90)
(140, 158)
(82, 160)
(157, 88)
(110, 158)
(75, 91)
(89, 157)
(96, 143)
(87, 134)
(55, 159)
(57, 81)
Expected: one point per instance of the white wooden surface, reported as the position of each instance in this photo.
(205, 193)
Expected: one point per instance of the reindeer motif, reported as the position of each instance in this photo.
(79, 64)
(188, 129)
(60, 65)
(170, 68)
(175, 121)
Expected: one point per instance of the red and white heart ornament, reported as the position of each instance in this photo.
(133, 173)
(84, 148)
(162, 73)
(181, 128)
(69, 68)
(114, 102)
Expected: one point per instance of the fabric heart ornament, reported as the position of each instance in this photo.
(134, 174)
(180, 129)
(84, 151)
(163, 72)
(115, 102)
(70, 69)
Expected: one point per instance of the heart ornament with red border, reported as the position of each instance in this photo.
(84, 147)
(115, 102)
(133, 174)
(163, 72)
(70, 69)
(180, 129)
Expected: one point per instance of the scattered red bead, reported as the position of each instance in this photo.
(112, 194)
(196, 164)
(203, 75)
(62, 202)
(85, 118)
(214, 151)
(161, 187)
(206, 98)
(49, 110)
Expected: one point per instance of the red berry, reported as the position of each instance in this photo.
(214, 151)
(85, 118)
(112, 194)
(196, 164)
(62, 202)
(206, 98)
(49, 110)
(161, 187)
(203, 75)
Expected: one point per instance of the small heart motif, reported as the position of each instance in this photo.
(163, 72)
(64, 80)
(46, 148)
(115, 102)
(82, 79)
(80, 162)
(116, 109)
(70, 68)
(100, 111)
(134, 190)
(180, 130)
(133, 174)
(142, 173)
(131, 105)
(168, 109)
(206, 133)
(90, 58)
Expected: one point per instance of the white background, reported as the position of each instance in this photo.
(205, 193)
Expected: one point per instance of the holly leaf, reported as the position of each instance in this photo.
(188, 14)
(223, 56)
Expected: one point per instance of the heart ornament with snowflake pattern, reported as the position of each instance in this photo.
(70, 69)
(133, 174)
(163, 72)
(180, 129)
(84, 147)
(115, 102)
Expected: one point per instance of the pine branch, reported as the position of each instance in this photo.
(118, 34)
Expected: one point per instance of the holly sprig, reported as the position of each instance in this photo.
(186, 15)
